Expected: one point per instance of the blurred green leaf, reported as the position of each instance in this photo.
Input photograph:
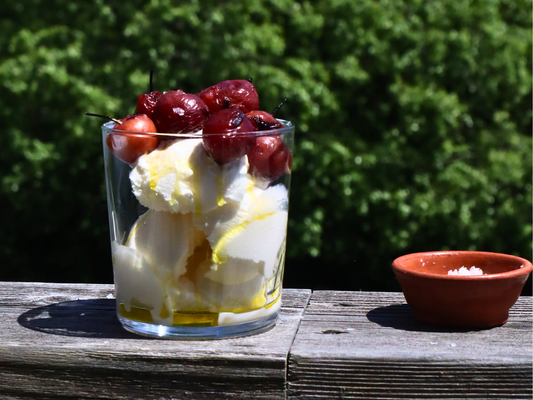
(413, 123)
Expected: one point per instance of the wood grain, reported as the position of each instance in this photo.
(365, 345)
(64, 341)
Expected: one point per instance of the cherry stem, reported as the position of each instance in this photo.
(279, 106)
(151, 80)
(104, 116)
(263, 125)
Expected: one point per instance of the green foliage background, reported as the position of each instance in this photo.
(413, 123)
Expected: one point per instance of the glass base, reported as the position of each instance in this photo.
(198, 333)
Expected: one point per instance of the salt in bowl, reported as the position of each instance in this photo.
(461, 301)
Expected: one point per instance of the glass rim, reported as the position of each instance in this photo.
(287, 128)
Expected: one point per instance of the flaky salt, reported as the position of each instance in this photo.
(465, 271)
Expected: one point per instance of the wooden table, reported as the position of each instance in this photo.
(64, 341)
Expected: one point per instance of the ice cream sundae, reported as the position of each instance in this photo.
(198, 205)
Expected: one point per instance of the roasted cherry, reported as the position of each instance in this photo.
(270, 158)
(263, 121)
(136, 123)
(233, 93)
(146, 102)
(226, 137)
(128, 147)
(179, 112)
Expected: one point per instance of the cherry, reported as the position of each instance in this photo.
(146, 102)
(128, 146)
(232, 93)
(263, 121)
(136, 123)
(225, 137)
(179, 112)
(270, 158)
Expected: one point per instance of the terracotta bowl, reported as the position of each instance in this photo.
(461, 301)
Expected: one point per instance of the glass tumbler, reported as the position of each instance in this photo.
(198, 247)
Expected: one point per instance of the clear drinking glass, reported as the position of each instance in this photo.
(198, 248)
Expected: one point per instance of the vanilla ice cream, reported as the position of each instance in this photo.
(209, 245)
(180, 177)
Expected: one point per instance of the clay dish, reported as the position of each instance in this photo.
(461, 301)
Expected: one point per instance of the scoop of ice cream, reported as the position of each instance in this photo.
(166, 241)
(253, 230)
(235, 270)
(179, 177)
(258, 242)
(221, 220)
(136, 284)
(238, 297)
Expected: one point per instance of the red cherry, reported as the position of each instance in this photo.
(179, 112)
(233, 93)
(136, 123)
(128, 147)
(263, 121)
(270, 158)
(226, 138)
(146, 103)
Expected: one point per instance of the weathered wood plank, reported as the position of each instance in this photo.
(365, 345)
(64, 341)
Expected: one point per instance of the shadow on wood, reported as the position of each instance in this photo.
(82, 318)
(400, 316)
